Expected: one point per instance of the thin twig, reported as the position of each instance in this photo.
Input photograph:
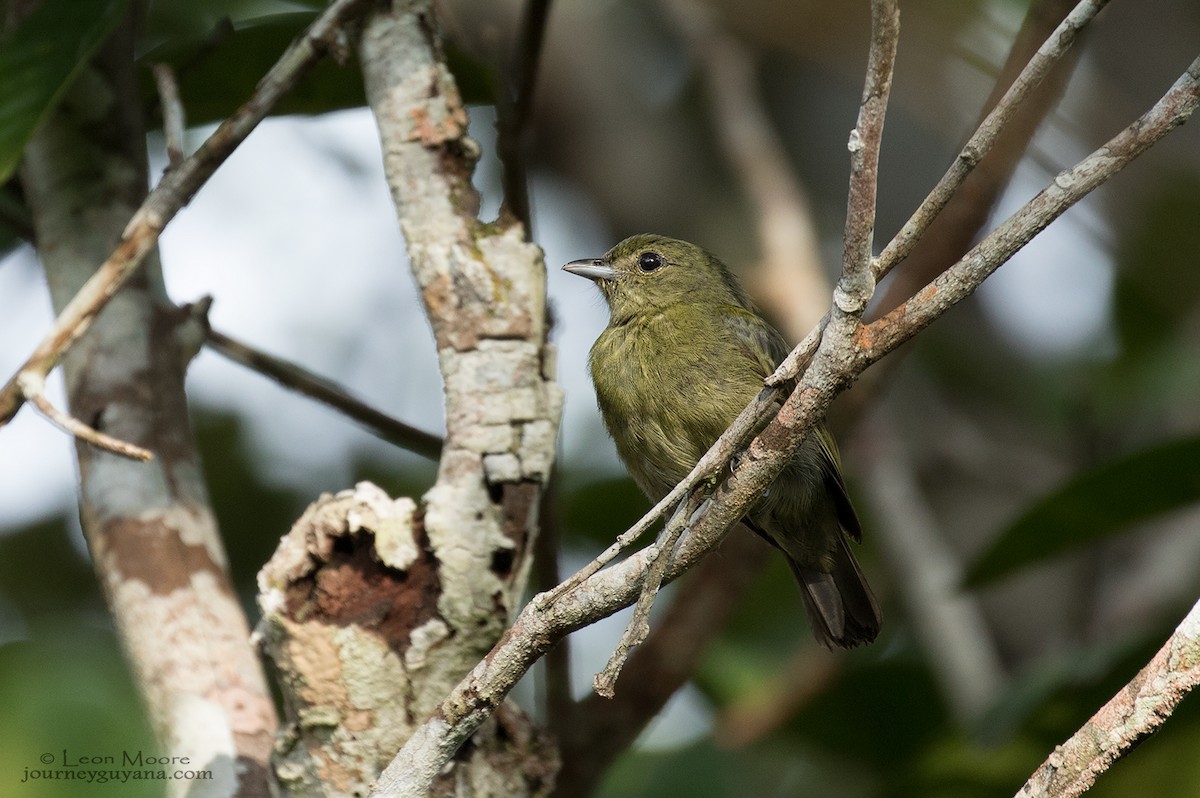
(514, 108)
(952, 232)
(172, 112)
(33, 386)
(639, 623)
(857, 284)
(713, 461)
(985, 135)
(1067, 188)
(299, 379)
(174, 191)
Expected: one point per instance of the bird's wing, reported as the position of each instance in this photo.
(763, 345)
(835, 485)
(757, 339)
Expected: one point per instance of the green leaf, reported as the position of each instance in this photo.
(1095, 505)
(38, 61)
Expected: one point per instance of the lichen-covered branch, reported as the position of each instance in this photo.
(350, 618)
(1132, 714)
(483, 288)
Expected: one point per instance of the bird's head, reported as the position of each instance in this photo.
(647, 273)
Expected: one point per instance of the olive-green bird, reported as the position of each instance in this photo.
(683, 353)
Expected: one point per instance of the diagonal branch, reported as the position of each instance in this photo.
(299, 379)
(953, 230)
(1068, 187)
(174, 191)
(986, 134)
(1131, 715)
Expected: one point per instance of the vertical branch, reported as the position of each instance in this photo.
(483, 288)
(514, 106)
(858, 283)
(149, 526)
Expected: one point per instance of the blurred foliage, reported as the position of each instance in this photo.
(1095, 504)
(39, 59)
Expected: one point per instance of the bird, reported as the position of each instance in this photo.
(685, 350)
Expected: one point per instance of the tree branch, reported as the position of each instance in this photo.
(838, 360)
(174, 191)
(514, 108)
(951, 232)
(172, 112)
(483, 287)
(296, 378)
(1131, 715)
(1068, 187)
(986, 134)
(150, 527)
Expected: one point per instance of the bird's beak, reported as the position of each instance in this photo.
(592, 269)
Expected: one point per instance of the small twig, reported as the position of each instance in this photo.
(985, 135)
(33, 387)
(298, 379)
(172, 112)
(1067, 188)
(639, 623)
(857, 283)
(1135, 712)
(514, 107)
(952, 232)
(177, 187)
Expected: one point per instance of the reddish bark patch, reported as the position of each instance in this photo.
(353, 588)
(519, 503)
(153, 553)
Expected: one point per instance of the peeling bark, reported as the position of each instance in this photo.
(351, 618)
(483, 287)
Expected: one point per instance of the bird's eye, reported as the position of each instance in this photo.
(650, 261)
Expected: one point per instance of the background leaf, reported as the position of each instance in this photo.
(1094, 505)
(39, 59)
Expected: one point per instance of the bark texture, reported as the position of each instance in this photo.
(150, 529)
(483, 287)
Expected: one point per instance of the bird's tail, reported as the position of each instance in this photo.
(841, 608)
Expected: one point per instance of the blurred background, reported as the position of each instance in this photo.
(1042, 440)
